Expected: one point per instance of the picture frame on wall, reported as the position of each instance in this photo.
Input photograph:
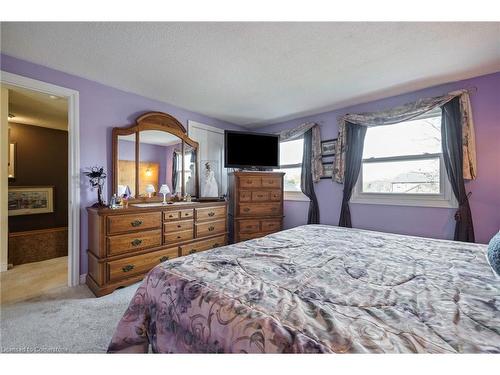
(12, 161)
(328, 147)
(29, 200)
(327, 170)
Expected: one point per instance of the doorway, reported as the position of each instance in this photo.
(39, 188)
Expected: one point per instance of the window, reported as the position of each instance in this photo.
(291, 164)
(403, 165)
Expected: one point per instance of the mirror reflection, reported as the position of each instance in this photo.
(126, 165)
(156, 163)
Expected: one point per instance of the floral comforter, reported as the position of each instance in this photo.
(318, 289)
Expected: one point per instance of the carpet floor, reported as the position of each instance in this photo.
(66, 320)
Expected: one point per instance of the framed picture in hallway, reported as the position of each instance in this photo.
(28, 200)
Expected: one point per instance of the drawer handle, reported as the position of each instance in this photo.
(192, 251)
(249, 182)
(215, 245)
(249, 226)
(136, 242)
(128, 267)
(170, 216)
(164, 258)
(179, 226)
(211, 213)
(179, 237)
(186, 213)
(246, 209)
(136, 223)
(211, 229)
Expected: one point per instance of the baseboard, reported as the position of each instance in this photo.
(3, 267)
(83, 278)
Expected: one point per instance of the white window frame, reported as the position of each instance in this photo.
(445, 199)
(293, 195)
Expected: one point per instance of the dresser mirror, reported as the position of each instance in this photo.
(125, 172)
(153, 158)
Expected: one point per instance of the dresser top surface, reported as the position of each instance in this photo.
(132, 209)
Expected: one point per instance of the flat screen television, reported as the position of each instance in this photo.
(251, 150)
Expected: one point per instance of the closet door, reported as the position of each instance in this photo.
(211, 150)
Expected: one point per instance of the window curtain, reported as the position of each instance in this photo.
(175, 163)
(291, 134)
(404, 113)
(451, 140)
(355, 138)
(306, 181)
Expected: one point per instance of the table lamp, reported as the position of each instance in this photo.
(164, 189)
(150, 189)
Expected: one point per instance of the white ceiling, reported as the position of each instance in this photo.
(257, 73)
(36, 108)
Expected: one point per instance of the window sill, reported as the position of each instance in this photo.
(295, 196)
(413, 201)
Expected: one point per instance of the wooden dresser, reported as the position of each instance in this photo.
(255, 204)
(124, 244)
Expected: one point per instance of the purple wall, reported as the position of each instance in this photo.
(419, 221)
(101, 108)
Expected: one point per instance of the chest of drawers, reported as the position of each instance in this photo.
(255, 204)
(124, 244)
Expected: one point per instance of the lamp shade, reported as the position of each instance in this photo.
(150, 188)
(164, 189)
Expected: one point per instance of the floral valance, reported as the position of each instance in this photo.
(407, 112)
(291, 134)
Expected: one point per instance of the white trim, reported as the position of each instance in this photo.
(83, 278)
(295, 196)
(73, 162)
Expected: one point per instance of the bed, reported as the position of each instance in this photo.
(318, 289)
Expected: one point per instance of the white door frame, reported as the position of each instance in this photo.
(73, 164)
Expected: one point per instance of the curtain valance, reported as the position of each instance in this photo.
(407, 112)
(291, 134)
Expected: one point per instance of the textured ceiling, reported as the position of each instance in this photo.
(39, 109)
(258, 73)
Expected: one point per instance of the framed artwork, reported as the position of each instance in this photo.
(12, 160)
(328, 147)
(30, 200)
(327, 170)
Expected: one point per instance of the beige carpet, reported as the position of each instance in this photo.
(66, 320)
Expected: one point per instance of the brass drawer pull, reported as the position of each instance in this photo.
(179, 226)
(136, 223)
(249, 182)
(170, 216)
(215, 245)
(260, 196)
(192, 251)
(187, 213)
(179, 237)
(246, 209)
(211, 229)
(128, 267)
(211, 213)
(136, 242)
(164, 258)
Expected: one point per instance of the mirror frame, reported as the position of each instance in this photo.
(152, 121)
